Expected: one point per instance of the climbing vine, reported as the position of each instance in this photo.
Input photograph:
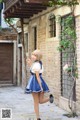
(68, 42)
(63, 2)
(1, 1)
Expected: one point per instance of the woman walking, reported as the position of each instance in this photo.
(36, 85)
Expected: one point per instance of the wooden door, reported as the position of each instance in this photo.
(6, 63)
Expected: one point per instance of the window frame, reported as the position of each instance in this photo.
(66, 84)
(52, 26)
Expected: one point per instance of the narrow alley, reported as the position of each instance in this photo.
(22, 106)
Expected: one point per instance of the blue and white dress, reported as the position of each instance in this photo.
(33, 85)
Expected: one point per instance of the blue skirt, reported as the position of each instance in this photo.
(33, 85)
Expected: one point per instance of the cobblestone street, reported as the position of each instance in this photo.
(22, 106)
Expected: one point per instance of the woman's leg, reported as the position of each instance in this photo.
(42, 99)
(36, 103)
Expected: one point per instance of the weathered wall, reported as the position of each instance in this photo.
(8, 34)
(48, 46)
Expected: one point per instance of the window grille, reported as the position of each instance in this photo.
(66, 80)
(52, 26)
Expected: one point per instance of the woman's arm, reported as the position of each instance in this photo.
(38, 79)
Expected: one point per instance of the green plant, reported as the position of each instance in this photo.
(63, 2)
(1, 1)
(69, 69)
(64, 44)
(68, 35)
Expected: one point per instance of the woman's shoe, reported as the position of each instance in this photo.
(38, 118)
(51, 98)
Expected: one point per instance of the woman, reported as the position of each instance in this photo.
(36, 85)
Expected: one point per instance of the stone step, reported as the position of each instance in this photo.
(6, 85)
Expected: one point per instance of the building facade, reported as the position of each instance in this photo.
(38, 35)
(8, 57)
(42, 31)
(8, 43)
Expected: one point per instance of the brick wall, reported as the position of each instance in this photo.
(51, 57)
(78, 61)
(7, 34)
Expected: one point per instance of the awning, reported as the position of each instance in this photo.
(24, 9)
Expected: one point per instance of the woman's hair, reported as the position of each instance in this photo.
(38, 54)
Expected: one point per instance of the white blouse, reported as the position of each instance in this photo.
(36, 67)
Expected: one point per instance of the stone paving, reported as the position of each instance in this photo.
(22, 106)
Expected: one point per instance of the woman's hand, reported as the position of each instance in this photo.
(28, 60)
(38, 79)
(41, 89)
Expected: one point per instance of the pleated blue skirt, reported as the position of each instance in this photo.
(33, 85)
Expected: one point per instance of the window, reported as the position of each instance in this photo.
(52, 26)
(20, 38)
